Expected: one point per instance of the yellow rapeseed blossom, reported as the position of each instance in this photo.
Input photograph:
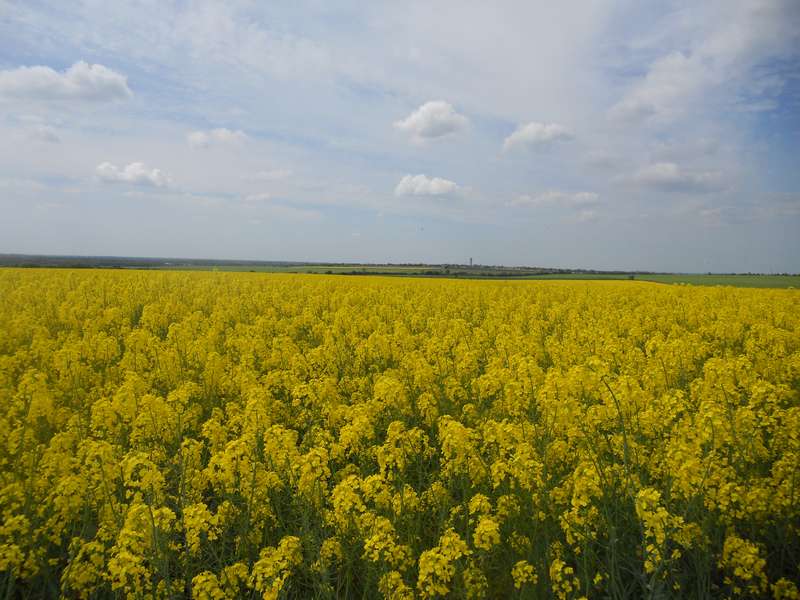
(436, 566)
(523, 573)
(274, 567)
(205, 586)
(226, 435)
(198, 522)
(743, 565)
(476, 585)
(392, 587)
(487, 533)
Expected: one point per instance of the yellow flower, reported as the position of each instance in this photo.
(523, 573)
(198, 520)
(159, 429)
(205, 586)
(274, 566)
(783, 589)
(487, 533)
(392, 586)
(475, 582)
(436, 568)
(480, 505)
(743, 565)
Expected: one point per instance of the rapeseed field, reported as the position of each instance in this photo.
(234, 435)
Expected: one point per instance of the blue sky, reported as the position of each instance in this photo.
(612, 135)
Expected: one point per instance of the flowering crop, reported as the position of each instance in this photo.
(220, 435)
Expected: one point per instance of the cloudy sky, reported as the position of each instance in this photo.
(626, 134)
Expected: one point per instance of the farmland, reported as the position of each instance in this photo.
(218, 435)
(450, 271)
(461, 272)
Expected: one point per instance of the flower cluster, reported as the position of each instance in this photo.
(226, 435)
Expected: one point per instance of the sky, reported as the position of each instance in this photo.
(609, 135)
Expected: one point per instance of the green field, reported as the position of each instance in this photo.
(450, 271)
(752, 281)
(761, 281)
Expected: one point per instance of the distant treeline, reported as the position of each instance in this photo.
(111, 262)
(395, 269)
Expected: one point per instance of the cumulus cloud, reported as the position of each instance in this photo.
(535, 134)
(433, 119)
(422, 185)
(670, 177)
(557, 197)
(81, 82)
(135, 173)
(203, 139)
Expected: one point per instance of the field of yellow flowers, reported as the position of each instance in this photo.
(221, 435)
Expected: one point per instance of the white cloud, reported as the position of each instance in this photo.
(135, 173)
(22, 185)
(268, 212)
(670, 177)
(669, 80)
(262, 197)
(82, 82)
(766, 207)
(602, 159)
(582, 207)
(271, 175)
(557, 197)
(433, 119)
(780, 205)
(203, 139)
(587, 215)
(422, 185)
(292, 213)
(334, 99)
(44, 133)
(730, 40)
(536, 134)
